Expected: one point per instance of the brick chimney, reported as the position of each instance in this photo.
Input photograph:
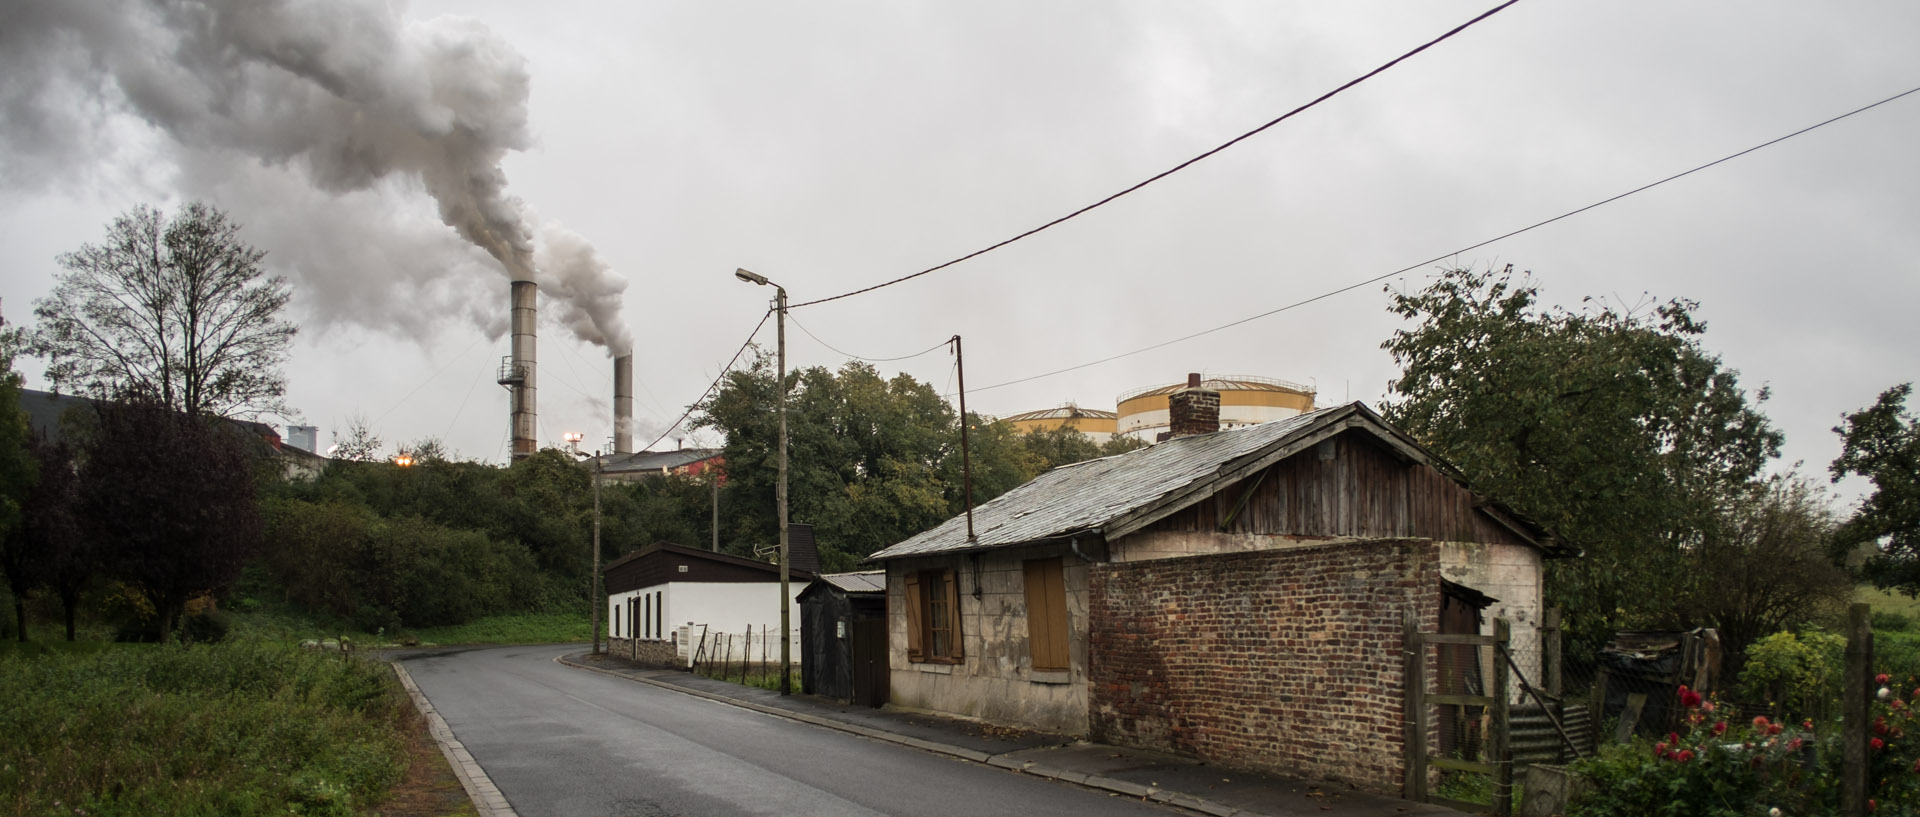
(1193, 410)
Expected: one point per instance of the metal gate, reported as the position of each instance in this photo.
(1457, 740)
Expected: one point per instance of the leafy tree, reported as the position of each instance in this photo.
(359, 443)
(1764, 567)
(171, 498)
(17, 477)
(872, 460)
(1615, 429)
(1882, 443)
(52, 529)
(178, 307)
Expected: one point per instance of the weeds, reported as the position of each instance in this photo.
(206, 730)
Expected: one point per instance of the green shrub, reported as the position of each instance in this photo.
(1890, 620)
(229, 729)
(1798, 673)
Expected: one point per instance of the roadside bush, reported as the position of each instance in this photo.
(1890, 620)
(232, 729)
(1798, 674)
(1724, 766)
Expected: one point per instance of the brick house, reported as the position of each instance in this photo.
(1238, 596)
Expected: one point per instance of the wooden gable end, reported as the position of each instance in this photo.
(1347, 486)
(662, 566)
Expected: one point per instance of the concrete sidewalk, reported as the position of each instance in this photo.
(1131, 772)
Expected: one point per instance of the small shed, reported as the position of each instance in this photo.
(843, 636)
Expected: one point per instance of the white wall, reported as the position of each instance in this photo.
(691, 608)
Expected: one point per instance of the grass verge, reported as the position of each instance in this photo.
(238, 729)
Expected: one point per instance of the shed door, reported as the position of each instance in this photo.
(869, 661)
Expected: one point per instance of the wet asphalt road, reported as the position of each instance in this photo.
(567, 742)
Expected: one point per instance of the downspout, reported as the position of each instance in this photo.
(1073, 544)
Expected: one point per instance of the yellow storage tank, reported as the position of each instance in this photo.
(1244, 400)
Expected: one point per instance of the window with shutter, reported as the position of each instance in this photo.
(933, 617)
(1046, 588)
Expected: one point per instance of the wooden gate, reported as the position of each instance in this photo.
(1460, 681)
(870, 661)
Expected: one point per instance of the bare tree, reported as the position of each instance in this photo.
(178, 308)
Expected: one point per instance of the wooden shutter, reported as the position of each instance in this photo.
(916, 615)
(951, 586)
(1046, 588)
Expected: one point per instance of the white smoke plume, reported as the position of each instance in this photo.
(346, 97)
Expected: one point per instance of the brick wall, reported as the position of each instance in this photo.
(1285, 660)
(1193, 410)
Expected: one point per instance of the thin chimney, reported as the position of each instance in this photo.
(1193, 410)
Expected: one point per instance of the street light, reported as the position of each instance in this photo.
(780, 488)
(597, 601)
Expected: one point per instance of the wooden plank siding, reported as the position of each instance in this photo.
(1348, 486)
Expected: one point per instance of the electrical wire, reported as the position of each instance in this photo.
(1469, 248)
(1176, 168)
(816, 339)
(423, 383)
(715, 384)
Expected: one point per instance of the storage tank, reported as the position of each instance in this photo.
(1096, 424)
(1244, 400)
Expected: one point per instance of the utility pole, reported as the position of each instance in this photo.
(966, 457)
(780, 489)
(598, 599)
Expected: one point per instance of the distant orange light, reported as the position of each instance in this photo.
(403, 460)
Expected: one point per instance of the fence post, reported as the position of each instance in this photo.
(1856, 687)
(1501, 750)
(1413, 665)
(1550, 649)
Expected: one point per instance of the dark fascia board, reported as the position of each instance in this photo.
(706, 555)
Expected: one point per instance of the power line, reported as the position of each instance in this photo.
(715, 384)
(1176, 168)
(831, 347)
(1469, 248)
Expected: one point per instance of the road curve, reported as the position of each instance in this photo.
(570, 743)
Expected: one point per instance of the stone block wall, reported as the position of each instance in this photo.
(650, 651)
(1283, 660)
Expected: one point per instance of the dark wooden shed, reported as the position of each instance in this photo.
(843, 637)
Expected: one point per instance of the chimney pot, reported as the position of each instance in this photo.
(1193, 380)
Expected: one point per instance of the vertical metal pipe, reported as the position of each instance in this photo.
(623, 403)
(524, 417)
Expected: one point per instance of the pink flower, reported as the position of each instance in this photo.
(1684, 755)
(1759, 721)
(1795, 744)
(1882, 678)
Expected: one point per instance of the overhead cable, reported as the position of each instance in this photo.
(816, 338)
(1469, 248)
(1176, 168)
(715, 384)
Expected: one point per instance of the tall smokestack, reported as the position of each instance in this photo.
(518, 372)
(623, 403)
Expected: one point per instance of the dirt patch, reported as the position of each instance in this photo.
(429, 788)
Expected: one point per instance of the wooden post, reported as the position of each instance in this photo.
(1550, 651)
(1499, 749)
(1856, 688)
(1414, 719)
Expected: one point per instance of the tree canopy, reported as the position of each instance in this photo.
(1613, 428)
(1882, 443)
(871, 460)
(177, 307)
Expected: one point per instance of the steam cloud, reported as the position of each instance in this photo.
(312, 120)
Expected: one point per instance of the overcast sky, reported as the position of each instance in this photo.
(831, 146)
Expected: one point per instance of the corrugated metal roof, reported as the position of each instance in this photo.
(865, 581)
(1077, 498)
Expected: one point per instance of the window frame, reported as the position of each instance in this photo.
(931, 593)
